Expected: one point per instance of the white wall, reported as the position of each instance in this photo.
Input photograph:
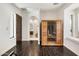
(70, 42)
(61, 10)
(49, 15)
(55, 14)
(26, 19)
(25, 22)
(5, 42)
(76, 11)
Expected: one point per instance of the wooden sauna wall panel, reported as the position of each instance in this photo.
(59, 33)
(44, 32)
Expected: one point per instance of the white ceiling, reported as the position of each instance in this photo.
(41, 6)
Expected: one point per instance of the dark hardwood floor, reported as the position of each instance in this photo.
(33, 49)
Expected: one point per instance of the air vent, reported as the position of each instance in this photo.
(55, 3)
(23, 8)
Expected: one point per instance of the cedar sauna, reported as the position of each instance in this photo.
(51, 33)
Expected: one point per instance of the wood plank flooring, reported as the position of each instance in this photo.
(32, 48)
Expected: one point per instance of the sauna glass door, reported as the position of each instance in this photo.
(51, 31)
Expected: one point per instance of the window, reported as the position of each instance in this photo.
(71, 23)
(12, 25)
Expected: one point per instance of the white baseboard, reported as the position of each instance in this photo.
(29, 40)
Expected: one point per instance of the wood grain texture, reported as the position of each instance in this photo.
(31, 48)
(59, 32)
(44, 33)
(18, 28)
